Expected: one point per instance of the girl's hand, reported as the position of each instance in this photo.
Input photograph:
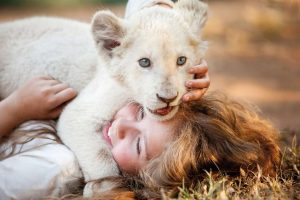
(199, 85)
(41, 98)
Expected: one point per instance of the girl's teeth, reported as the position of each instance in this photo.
(109, 132)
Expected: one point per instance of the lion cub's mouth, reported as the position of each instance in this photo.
(162, 111)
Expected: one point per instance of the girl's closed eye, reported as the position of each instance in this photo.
(140, 114)
(138, 146)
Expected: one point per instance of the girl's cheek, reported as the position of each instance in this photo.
(121, 157)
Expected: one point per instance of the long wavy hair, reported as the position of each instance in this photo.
(212, 134)
(26, 132)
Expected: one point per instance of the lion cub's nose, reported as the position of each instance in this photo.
(166, 100)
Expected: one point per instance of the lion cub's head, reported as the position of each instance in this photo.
(151, 51)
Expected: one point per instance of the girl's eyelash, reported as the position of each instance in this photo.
(141, 113)
(138, 147)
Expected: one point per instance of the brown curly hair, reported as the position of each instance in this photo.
(212, 134)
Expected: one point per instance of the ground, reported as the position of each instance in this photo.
(253, 52)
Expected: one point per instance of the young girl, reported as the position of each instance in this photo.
(212, 134)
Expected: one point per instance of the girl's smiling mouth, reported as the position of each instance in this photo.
(106, 133)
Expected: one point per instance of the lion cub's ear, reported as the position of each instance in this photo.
(194, 12)
(108, 30)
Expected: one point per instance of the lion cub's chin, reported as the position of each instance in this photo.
(166, 117)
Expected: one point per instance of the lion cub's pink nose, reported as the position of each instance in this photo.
(166, 100)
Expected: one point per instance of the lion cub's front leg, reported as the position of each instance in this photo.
(80, 124)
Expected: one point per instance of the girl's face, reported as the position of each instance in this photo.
(136, 138)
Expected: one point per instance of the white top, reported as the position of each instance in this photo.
(39, 168)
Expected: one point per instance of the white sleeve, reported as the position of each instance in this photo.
(42, 168)
(136, 5)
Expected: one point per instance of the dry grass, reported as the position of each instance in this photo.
(252, 185)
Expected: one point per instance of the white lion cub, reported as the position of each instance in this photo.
(144, 58)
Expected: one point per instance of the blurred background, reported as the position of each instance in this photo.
(253, 54)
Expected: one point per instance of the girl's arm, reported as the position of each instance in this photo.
(39, 98)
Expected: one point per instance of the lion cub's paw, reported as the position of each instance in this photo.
(93, 188)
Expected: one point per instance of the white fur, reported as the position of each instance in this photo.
(61, 48)
(65, 50)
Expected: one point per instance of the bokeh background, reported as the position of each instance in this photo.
(253, 55)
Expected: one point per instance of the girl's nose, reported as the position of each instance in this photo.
(125, 129)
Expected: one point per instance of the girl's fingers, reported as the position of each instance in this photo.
(198, 70)
(59, 87)
(46, 77)
(198, 83)
(56, 112)
(53, 82)
(194, 95)
(46, 84)
(64, 96)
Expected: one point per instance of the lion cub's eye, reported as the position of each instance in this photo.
(181, 60)
(145, 62)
